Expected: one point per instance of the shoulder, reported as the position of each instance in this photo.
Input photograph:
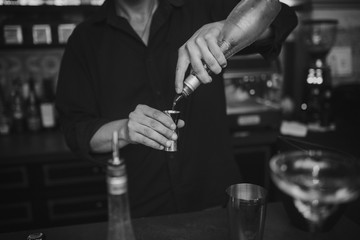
(88, 26)
(85, 33)
(91, 26)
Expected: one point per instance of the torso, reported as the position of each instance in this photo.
(122, 72)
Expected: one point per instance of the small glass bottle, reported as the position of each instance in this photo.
(33, 118)
(4, 116)
(17, 108)
(119, 225)
(47, 105)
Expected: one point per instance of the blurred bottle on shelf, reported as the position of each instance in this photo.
(4, 115)
(67, 2)
(41, 34)
(11, 2)
(17, 107)
(33, 117)
(64, 32)
(318, 37)
(47, 105)
(32, 2)
(96, 2)
(13, 34)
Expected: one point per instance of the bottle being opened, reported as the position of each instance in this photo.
(119, 224)
(244, 25)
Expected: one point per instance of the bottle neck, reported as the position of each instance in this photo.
(191, 83)
(116, 179)
(187, 90)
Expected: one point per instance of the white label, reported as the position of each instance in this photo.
(48, 114)
(117, 185)
(41, 34)
(64, 32)
(13, 34)
(248, 120)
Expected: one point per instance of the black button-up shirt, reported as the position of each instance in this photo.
(107, 71)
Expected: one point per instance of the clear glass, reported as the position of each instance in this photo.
(246, 211)
(318, 181)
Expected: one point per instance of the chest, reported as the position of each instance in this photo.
(128, 72)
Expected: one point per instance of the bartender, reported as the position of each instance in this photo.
(118, 73)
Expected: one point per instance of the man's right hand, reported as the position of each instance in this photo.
(202, 48)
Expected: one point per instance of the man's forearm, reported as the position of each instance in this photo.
(102, 139)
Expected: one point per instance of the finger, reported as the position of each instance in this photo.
(149, 135)
(214, 48)
(148, 123)
(180, 123)
(181, 67)
(158, 121)
(141, 139)
(161, 129)
(159, 117)
(196, 61)
(207, 55)
(144, 135)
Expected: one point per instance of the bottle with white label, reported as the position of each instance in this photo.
(119, 224)
(33, 116)
(47, 106)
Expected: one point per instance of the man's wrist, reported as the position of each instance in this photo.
(123, 133)
(267, 34)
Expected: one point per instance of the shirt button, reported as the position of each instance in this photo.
(157, 92)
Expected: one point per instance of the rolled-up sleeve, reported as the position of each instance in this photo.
(75, 99)
(284, 23)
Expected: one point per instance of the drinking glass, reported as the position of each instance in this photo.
(246, 211)
(318, 181)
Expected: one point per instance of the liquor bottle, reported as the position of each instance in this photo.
(33, 118)
(47, 106)
(17, 108)
(244, 25)
(4, 117)
(119, 224)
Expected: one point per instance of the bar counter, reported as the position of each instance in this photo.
(209, 224)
